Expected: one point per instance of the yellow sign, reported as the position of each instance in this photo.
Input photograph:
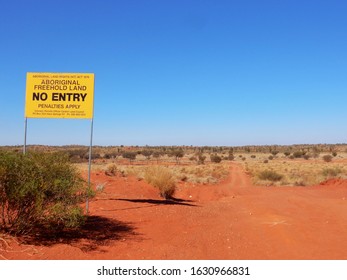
(59, 95)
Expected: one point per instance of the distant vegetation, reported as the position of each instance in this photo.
(294, 164)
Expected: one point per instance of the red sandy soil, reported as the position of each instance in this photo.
(232, 220)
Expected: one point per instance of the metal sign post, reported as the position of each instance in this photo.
(25, 135)
(90, 164)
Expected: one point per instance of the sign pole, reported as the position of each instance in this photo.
(25, 135)
(90, 163)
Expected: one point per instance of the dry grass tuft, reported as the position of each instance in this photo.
(161, 178)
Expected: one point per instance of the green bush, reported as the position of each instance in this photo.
(39, 190)
(270, 175)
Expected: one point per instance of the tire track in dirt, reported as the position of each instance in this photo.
(239, 179)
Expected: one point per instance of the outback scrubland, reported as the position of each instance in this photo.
(195, 188)
(294, 165)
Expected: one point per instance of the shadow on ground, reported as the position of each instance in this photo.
(171, 201)
(97, 231)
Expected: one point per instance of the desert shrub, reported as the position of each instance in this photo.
(178, 154)
(307, 157)
(274, 153)
(193, 158)
(298, 154)
(93, 155)
(161, 178)
(286, 153)
(215, 158)
(111, 170)
(253, 156)
(265, 161)
(201, 158)
(231, 157)
(39, 190)
(77, 155)
(327, 158)
(113, 155)
(331, 172)
(270, 175)
(334, 154)
(147, 154)
(270, 157)
(131, 156)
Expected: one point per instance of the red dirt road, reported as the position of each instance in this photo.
(233, 220)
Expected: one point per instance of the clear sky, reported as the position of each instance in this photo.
(181, 72)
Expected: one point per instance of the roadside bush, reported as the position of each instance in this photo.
(270, 175)
(111, 170)
(161, 178)
(39, 190)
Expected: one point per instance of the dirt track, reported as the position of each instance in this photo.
(233, 220)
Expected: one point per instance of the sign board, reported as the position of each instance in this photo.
(59, 95)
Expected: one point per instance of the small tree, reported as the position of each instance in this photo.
(147, 154)
(157, 155)
(178, 154)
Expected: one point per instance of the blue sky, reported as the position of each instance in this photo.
(181, 72)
